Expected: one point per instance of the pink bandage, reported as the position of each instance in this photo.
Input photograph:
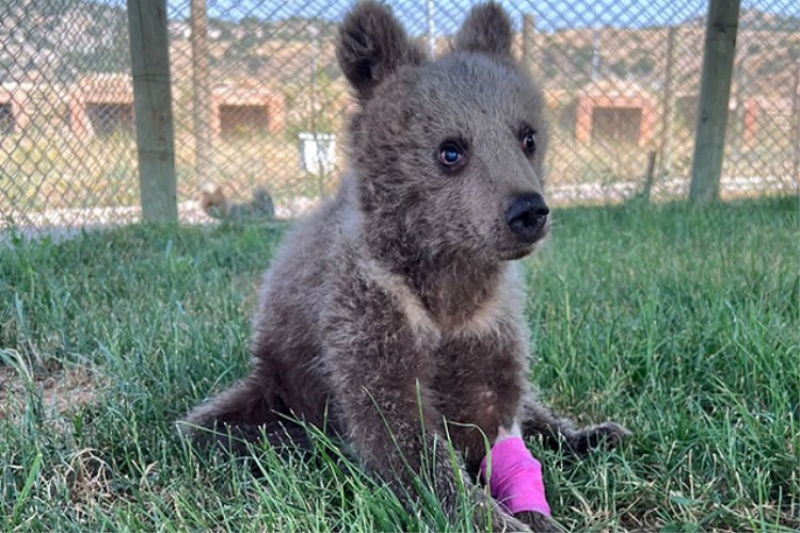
(516, 477)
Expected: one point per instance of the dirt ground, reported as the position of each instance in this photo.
(62, 391)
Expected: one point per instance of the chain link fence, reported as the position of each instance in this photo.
(259, 103)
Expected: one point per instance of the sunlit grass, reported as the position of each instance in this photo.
(682, 324)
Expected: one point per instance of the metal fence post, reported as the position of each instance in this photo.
(668, 108)
(715, 87)
(794, 125)
(529, 58)
(152, 100)
(201, 92)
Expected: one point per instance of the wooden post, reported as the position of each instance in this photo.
(152, 101)
(529, 46)
(201, 101)
(715, 90)
(648, 176)
(665, 162)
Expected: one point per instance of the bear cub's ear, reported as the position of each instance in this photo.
(372, 45)
(487, 29)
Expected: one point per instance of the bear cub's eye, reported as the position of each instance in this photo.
(528, 140)
(451, 154)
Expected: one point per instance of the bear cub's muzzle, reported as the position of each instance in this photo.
(526, 217)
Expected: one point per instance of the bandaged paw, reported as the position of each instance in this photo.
(515, 477)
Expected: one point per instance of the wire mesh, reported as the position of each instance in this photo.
(259, 103)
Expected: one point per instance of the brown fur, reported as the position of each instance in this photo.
(394, 314)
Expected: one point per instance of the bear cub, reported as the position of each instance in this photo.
(392, 317)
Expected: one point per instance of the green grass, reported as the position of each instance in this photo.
(682, 324)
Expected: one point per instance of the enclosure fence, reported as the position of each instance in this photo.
(259, 102)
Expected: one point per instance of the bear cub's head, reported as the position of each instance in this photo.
(447, 154)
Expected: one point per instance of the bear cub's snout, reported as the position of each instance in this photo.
(526, 217)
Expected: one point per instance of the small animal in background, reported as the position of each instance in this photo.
(217, 205)
(393, 317)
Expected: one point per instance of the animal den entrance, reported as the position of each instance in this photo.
(110, 118)
(617, 125)
(7, 122)
(611, 111)
(243, 119)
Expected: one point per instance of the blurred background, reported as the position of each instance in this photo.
(259, 103)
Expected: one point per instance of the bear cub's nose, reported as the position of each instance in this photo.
(526, 216)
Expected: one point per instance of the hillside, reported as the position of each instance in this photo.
(59, 40)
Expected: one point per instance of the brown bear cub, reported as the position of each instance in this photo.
(393, 316)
